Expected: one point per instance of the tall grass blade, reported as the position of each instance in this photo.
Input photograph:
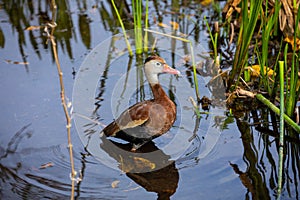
(146, 27)
(213, 39)
(245, 35)
(137, 17)
(267, 26)
(292, 92)
(123, 28)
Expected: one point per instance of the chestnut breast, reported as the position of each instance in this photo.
(161, 117)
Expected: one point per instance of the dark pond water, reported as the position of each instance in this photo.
(228, 159)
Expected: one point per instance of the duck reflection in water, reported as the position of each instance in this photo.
(149, 166)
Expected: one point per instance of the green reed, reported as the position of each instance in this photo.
(248, 25)
(269, 29)
(276, 110)
(146, 27)
(213, 38)
(281, 137)
(123, 28)
(292, 89)
(267, 23)
(137, 11)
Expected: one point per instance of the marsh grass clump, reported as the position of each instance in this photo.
(265, 67)
(262, 41)
(139, 22)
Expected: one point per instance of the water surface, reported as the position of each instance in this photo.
(240, 163)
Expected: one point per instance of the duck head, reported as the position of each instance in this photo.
(155, 65)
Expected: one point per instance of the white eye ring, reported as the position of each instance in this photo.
(158, 64)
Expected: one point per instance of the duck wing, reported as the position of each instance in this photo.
(132, 118)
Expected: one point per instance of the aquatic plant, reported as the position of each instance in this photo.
(146, 26)
(213, 38)
(248, 25)
(123, 28)
(264, 19)
(137, 12)
(278, 77)
(267, 24)
(292, 89)
(281, 131)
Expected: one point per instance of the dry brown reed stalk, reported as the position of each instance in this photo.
(52, 26)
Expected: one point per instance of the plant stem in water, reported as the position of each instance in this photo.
(281, 137)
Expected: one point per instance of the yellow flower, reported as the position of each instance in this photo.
(255, 71)
(290, 39)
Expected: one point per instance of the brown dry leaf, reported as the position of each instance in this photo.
(230, 7)
(163, 25)
(286, 18)
(46, 165)
(115, 183)
(30, 28)
(290, 40)
(175, 25)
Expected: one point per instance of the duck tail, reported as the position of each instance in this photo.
(111, 129)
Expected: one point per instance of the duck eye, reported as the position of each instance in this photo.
(158, 64)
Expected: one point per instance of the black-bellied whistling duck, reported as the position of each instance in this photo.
(149, 119)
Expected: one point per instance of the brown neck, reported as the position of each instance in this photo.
(158, 92)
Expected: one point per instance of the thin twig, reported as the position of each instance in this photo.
(52, 26)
